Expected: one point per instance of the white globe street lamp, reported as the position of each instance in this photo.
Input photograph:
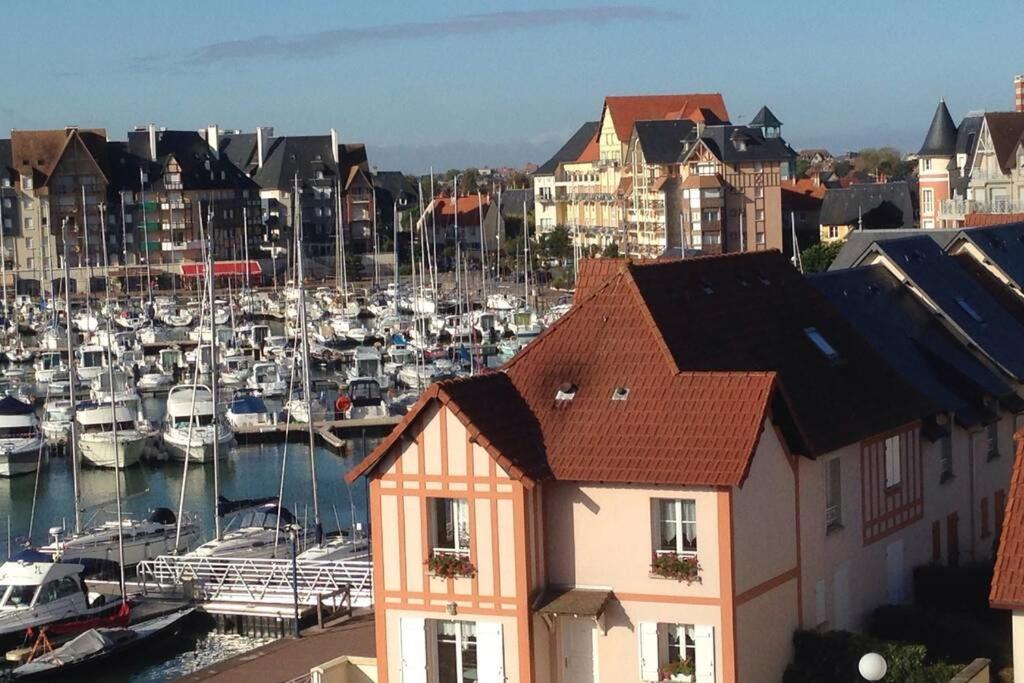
(872, 666)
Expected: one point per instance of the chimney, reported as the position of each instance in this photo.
(152, 141)
(334, 145)
(213, 139)
(1018, 87)
(262, 133)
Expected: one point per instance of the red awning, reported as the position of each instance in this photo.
(222, 268)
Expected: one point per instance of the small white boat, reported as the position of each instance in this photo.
(191, 413)
(38, 592)
(367, 363)
(365, 400)
(299, 410)
(122, 389)
(57, 420)
(247, 410)
(49, 364)
(234, 368)
(20, 437)
(92, 361)
(96, 442)
(267, 379)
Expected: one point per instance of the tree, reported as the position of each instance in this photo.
(886, 160)
(557, 244)
(818, 258)
(801, 167)
(611, 251)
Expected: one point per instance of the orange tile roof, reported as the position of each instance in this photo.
(985, 220)
(1008, 580)
(805, 186)
(627, 110)
(594, 272)
(42, 149)
(592, 152)
(468, 205)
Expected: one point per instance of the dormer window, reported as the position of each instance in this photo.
(26, 182)
(819, 340)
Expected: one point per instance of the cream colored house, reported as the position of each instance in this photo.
(639, 497)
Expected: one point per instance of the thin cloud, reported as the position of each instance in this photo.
(320, 43)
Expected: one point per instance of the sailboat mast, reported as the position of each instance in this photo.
(213, 367)
(3, 258)
(308, 388)
(526, 255)
(145, 241)
(72, 380)
(483, 249)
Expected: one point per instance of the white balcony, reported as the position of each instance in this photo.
(958, 208)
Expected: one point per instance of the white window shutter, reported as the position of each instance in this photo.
(490, 652)
(704, 666)
(414, 650)
(648, 632)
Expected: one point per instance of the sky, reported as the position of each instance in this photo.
(455, 83)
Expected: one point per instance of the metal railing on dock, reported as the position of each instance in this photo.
(267, 582)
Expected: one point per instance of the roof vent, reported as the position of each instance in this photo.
(706, 286)
(566, 392)
(620, 393)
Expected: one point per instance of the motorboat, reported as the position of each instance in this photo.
(20, 438)
(95, 646)
(191, 425)
(96, 439)
(365, 400)
(35, 591)
(255, 531)
(57, 416)
(267, 379)
(234, 368)
(122, 389)
(96, 548)
(92, 361)
(154, 378)
(300, 411)
(248, 411)
(367, 362)
(50, 364)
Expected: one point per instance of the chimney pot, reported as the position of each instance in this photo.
(213, 139)
(152, 141)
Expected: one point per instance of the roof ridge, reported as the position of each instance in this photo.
(645, 311)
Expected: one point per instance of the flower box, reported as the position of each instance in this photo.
(450, 566)
(678, 671)
(683, 568)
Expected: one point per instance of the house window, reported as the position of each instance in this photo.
(833, 232)
(893, 473)
(28, 223)
(927, 201)
(676, 652)
(7, 202)
(705, 169)
(676, 526)
(680, 644)
(759, 238)
(833, 495)
(819, 340)
(455, 647)
(992, 434)
(30, 263)
(450, 525)
(28, 243)
(946, 459)
(759, 192)
(759, 215)
(758, 166)
(711, 215)
(26, 182)
(927, 163)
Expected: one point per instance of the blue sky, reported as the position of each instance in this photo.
(456, 83)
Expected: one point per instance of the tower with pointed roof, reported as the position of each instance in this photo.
(935, 160)
(769, 124)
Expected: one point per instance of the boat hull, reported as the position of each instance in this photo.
(198, 451)
(21, 461)
(101, 452)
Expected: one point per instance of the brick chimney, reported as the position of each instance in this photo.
(151, 130)
(1018, 88)
(262, 146)
(213, 139)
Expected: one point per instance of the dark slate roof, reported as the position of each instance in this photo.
(902, 329)
(764, 118)
(721, 141)
(941, 138)
(877, 205)
(240, 149)
(961, 298)
(1005, 129)
(6, 165)
(967, 134)
(662, 142)
(201, 169)
(124, 166)
(512, 202)
(750, 312)
(859, 241)
(571, 150)
(390, 186)
(1003, 245)
(292, 155)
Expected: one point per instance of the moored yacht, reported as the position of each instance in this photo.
(57, 416)
(92, 361)
(190, 409)
(248, 410)
(20, 438)
(96, 440)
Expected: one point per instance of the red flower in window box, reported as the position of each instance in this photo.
(683, 568)
(450, 566)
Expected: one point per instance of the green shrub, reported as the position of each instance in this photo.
(833, 656)
(959, 589)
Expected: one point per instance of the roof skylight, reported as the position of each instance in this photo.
(819, 340)
(969, 310)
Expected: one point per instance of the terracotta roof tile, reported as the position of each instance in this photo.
(627, 110)
(986, 220)
(1008, 580)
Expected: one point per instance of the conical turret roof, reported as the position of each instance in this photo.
(941, 138)
(764, 118)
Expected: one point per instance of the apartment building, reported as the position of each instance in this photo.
(631, 185)
(499, 499)
(10, 212)
(335, 188)
(545, 204)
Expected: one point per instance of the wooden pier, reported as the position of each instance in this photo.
(330, 432)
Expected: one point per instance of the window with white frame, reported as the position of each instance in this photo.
(456, 651)
(26, 182)
(676, 652)
(893, 469)
(759, 214)
(675, 526)
(833, 232)
(450, 525)
(833, 494)
(759, 192)
(927, 200)
(706, 169)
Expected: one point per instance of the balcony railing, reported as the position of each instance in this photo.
(958, 208)
(832, 516)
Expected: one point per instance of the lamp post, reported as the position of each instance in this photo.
(872, 667)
